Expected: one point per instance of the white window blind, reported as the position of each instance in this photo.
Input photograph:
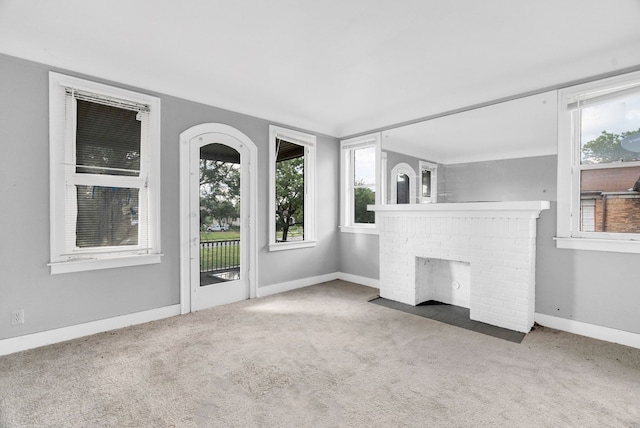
(102, 205)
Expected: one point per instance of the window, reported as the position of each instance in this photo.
(403, 184)
(104, 166)
(402, 187)
(360, 175)
(599, 165)
(428, 182)
(292, 189)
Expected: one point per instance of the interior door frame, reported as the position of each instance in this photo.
(185, 211)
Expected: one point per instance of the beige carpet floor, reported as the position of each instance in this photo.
(321, 356)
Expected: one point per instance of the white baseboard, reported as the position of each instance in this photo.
(35, 340)
(362, 280)
(590, 330)
(292, 285)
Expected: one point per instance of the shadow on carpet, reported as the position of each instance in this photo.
(452, 315)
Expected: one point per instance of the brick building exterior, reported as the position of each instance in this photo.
(608, 200)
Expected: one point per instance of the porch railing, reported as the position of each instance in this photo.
(219, 256)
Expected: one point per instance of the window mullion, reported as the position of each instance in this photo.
(576, 171)
(107, 180)
(352, 187)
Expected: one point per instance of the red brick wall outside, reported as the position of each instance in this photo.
(599, 227)
(623, 214)
(622, 211)
(609, 179)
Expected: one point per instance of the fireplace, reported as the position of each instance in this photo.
(480, 255)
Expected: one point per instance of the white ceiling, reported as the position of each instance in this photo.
(339, 67)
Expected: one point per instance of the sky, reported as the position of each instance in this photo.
(365, 165)
(616, 116)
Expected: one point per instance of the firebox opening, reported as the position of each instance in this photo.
(441, 280)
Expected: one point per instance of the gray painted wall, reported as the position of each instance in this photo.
(595, 287)
(525, 179)
(360, 255)
(54, 301)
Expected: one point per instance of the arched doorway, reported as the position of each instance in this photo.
(220, 269)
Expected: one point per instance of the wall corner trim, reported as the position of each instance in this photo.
(313, 280)
(589, 330)
(295, 284)
(362, 280)
(49, 337)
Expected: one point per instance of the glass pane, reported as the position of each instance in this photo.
(610, 131)
(363, 196)
(364, 169)
(426, 183)
(364, 179)
(107, 216)
(402, 186)
(608, 201)
(220, 176)
(107, 137)
(289, 192)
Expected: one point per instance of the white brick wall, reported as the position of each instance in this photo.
(500, 247)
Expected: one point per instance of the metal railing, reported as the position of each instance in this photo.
(219, 256)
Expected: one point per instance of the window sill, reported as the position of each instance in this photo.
(281, 246)
(362, 230)
(106, 263)
(618, 246)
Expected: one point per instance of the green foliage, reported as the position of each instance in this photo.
(289, 195)
(220, 236)
(607, 148)
(219, 192)
(363, 196)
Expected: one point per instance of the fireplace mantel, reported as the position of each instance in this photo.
(517, 209)
(497, 240)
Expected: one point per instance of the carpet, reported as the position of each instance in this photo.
(320, 356)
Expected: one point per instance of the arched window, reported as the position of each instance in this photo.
(403, 184)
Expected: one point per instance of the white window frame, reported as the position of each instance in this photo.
(65, 257)
(308, 141)
(347, 148)
(568, 234)
(406, 169)
(433, 167)
(383, 177)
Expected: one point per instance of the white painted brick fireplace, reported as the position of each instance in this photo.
(495, 240)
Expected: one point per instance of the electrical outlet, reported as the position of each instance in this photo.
(17, 317)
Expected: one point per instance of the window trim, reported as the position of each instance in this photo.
(346, 181)
(383, 177)
(61, 149)
(568, 235)
(308, 141)
(433, 167)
